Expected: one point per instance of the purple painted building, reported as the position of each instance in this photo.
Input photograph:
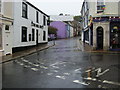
(61, 26)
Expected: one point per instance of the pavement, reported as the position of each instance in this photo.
(29, 51)
(88, 48)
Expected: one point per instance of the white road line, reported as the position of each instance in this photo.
(83, 83)
(34, 69)
(61, 77)
(111, 82)
(78, 69)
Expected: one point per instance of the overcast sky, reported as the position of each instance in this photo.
(55, 7)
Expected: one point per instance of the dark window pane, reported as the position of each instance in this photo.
(24, 10)
(37, 17)
(24, 34)
(33, 34)
(44, 20)
(7, 27)
(44, 35)
(29, 37)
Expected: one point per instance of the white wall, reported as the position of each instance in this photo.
(19, 21)
(71, 31)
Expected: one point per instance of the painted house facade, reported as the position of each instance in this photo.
(30, 26)
(64, 25)
(61, 28)
(21, 25)
(100, 25)
(6, 27)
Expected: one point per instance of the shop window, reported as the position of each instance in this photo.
(115, 37)
(24, 34)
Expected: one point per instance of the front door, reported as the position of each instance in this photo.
(99, 38)
(36, 37)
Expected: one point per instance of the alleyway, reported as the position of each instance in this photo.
(64, 65)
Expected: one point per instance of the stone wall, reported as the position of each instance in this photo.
(106, 34)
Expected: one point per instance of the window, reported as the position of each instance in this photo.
(24, 34)
(44, 35)
(37, 17)
(24, 10)
(100, 6)
(29, 37)
(44, 20)
(6, 27)
(33, 34)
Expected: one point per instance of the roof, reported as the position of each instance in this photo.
(61, 18)
(35, 8)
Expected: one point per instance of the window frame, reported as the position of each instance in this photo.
(24, 38)
(37, 16)
(24, 10)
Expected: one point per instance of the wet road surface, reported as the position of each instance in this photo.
(63, 66)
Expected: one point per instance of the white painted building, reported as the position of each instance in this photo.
(30, 26)
(21, 25)
(6, 27)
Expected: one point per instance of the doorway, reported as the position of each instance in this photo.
(99, 38)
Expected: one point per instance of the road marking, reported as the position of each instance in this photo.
(99, 73)
(61, 77)
(78, 69)
(92, 79)
(111, 82)
(49, 73)
(34, 69)
(55, 71)
(104, 81)
(66, 73)
(44, 67)
(55, 67)
(83, 83)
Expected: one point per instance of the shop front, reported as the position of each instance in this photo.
(115, 35)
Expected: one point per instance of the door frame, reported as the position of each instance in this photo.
(100, 35)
